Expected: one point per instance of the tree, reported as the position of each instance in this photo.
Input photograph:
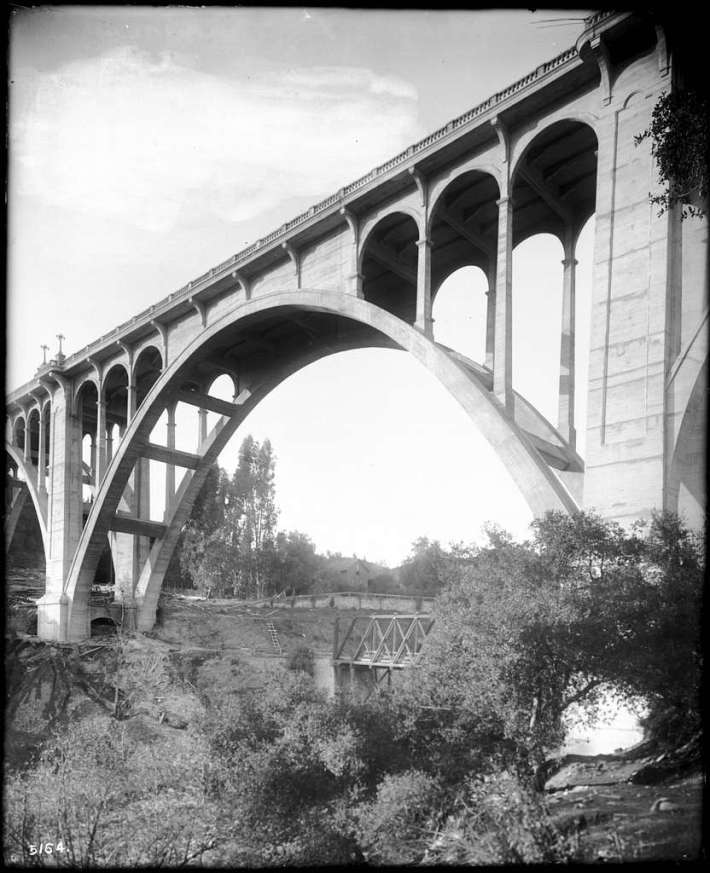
(424, 570)
(207, 544)
(254, 496)
(227, 546)
(679, 130)
(295, 563)
(523, 631)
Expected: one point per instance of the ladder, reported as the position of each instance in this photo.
(274, 637)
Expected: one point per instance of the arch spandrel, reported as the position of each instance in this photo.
(522, 140)
(441, 184)
(80, 385)
(407, 205)
(537, 482)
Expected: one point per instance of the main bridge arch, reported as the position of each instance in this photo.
(263, 341)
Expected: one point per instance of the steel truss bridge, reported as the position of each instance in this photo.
(372, 647)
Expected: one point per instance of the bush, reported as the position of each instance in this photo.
(302, 659)
(395, 827)
(111, 800)
(498, 821)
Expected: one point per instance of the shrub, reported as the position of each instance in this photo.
(111, 800)
(498, 821)
(395, 827)
(302, 659)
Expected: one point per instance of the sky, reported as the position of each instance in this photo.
(149, 144)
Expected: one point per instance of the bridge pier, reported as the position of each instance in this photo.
(64, 516)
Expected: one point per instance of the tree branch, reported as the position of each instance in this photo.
(580, 694)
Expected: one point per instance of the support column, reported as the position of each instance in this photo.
(26, 453)
(491, 316)
(423, 320)
(202, 430)
(131, 405)
(41, 456)
(109, 444)
(142, 503)
(567, 346)
(92, 462)
(170, 468)
(100, 437)
(122, 555)
(503, 355)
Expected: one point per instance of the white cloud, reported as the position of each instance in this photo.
(131, 138)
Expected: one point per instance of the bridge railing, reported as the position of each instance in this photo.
(404, 603)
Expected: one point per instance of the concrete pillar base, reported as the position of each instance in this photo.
(125, 614)
(145, 618)
(53, 618)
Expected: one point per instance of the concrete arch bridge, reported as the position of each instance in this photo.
(361, 269)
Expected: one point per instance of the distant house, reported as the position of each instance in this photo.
(356, 574)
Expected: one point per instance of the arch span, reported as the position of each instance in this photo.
(39, 502)
(309, 324)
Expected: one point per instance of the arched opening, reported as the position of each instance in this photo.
(146, 371)
(463, 231)
(87, 414)
(224, 388)
(459, 313)
(116, 400)
(389, 266)
(101, 627)
(18, 434)
(147, 368)
(537, 316)
(34, 435)
(46, 436)
(554, 194)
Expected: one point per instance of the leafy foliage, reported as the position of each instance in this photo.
(228, 544)
(525, 630)
(424, 571)
(255, 510)
(498, 820)
(294, 563)
(679, 134)
(302, 659)
(112, 800)
(438, 770)
(395, 827)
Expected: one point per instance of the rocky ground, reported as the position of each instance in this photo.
(630, 807)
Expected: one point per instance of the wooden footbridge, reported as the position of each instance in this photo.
(374, 646)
